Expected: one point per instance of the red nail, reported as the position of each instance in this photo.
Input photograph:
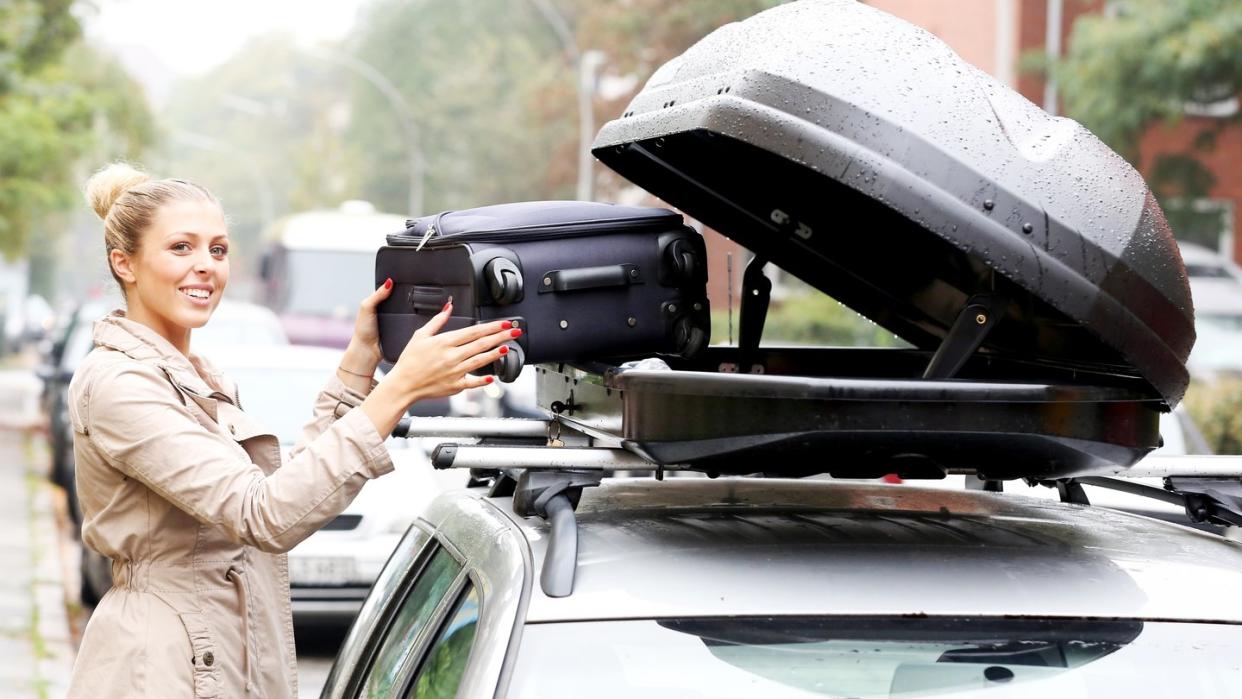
(517, 332)
(504, 350)
(388, 283)
(489, 379)
(448, 304)
(506, 325)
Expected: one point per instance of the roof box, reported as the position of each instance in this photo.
(861, 154)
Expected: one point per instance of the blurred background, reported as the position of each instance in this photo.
(323, 125)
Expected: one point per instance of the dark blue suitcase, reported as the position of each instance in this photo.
(585, 281)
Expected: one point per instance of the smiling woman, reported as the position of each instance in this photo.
(186, 493)
(178, 272)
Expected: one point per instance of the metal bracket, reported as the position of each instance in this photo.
(1071, 490)
(756, 294)
(973, 324)
(554, 496)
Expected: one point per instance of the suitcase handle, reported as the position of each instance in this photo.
(427, 298)
(564, 280)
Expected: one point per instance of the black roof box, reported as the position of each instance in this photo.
(861, 154)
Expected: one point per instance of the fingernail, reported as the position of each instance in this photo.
(489, 379)
(447, 305)
(516, 332)
(506, 325)
(504, 350)
(388, 283)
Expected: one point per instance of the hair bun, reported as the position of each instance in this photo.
(107, 185)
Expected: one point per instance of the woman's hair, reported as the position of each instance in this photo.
(127, 200)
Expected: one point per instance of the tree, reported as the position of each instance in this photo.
(1141, 65)
(59, 100)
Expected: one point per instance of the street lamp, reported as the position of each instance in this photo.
(586, 64)
(405, 115)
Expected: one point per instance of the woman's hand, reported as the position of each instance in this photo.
(363, 353)
(435, 364)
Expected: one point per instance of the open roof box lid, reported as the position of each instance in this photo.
(862, 155)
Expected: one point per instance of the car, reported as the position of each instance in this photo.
(743, 587)
(233, 323)
(1049, 319)
(330, 572)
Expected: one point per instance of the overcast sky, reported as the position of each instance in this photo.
(159, 40)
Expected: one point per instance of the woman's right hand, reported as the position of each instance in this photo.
(435, 365)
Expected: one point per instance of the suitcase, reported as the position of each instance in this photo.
(582, 279)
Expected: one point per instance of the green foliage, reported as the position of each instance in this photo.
(265, 132)
(59, 101)
(1217, 410)
(1124, 72)
(808, 317)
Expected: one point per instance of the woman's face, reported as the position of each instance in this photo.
(176, 278)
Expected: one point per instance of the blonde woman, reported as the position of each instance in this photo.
(185, 492)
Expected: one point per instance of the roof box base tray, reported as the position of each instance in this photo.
(864, 413)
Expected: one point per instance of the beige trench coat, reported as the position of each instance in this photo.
(187, 496)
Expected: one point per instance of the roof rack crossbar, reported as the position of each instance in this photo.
(1217, 501)
(448, 455)
(480, 427)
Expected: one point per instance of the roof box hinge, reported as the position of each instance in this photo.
(973, 324)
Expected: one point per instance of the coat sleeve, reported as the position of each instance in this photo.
(334, 401)
(140, 425)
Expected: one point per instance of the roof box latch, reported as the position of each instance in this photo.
(973, 324)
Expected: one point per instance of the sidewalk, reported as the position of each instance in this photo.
(36, 649)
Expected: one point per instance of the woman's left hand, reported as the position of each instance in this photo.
(364, 354)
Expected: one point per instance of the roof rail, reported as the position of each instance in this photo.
(546, 464)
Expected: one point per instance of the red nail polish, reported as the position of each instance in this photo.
(517, 332)
(489, 379)
(388, 283)
(506, 325)
(446, 305)
(504, 350)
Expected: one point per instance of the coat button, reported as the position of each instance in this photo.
(209, 658)
(233, 429)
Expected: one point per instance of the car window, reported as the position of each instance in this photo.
(441, 673)
(395, 657)
(875, 657)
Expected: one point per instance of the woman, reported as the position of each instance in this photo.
(183, 491)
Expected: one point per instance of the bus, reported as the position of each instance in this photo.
(316, 266)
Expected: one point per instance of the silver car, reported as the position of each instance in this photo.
(740, 587)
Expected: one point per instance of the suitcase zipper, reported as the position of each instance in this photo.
(432, 239)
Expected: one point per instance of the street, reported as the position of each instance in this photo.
(41, 616)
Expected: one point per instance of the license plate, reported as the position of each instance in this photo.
(318, 570)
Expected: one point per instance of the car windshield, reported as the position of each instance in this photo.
(328, 282)
(870, 657)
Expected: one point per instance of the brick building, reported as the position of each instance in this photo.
(994, 34)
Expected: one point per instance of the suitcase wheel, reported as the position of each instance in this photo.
(504, 281)
(509, 365)
(688, 337)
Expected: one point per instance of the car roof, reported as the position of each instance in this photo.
(743, 546)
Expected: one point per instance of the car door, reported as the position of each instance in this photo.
(440, 619)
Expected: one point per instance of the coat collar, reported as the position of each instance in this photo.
(193, 373)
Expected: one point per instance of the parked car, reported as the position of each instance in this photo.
(1216, 286)
(772, 588)
(233, 323)
(331, 572)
